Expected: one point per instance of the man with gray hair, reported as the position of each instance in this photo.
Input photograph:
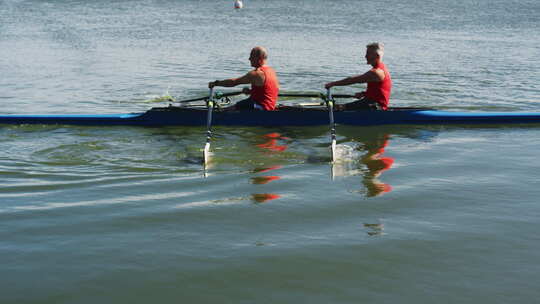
(379, 83)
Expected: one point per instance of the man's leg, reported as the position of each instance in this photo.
(246, 104)
(362, 104)
(242, 105)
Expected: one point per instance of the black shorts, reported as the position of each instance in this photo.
(247, 104)
(362, 104)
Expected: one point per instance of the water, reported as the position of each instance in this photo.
(123, 214)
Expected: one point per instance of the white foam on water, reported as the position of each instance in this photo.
(346, 153)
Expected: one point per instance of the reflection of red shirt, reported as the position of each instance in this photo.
(272, 143)
(377, 163)
(380, 91)
(381, 163)
(267, 94)
(263, 197)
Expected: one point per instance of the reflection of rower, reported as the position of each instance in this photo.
(264, 197)
(370, 154)
(261, 180)
(270, 145)
(265, 179)
(376, 164)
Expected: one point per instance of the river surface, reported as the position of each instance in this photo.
(411, 214)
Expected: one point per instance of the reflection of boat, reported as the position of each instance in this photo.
(285, 116)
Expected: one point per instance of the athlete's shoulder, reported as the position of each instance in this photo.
(377, 73)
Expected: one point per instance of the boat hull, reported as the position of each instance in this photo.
(172, 116)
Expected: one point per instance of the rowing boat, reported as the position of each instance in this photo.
(303, 114)
(284, 116)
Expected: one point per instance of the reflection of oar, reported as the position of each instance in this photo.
(210, 105)
(218, 95)
(330, 105)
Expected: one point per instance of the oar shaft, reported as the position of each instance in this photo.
(297, 95)
(210, 104)
(314, 95)
(343, 96)
(330, 104)
(300, 95)
(209, 122)
(204, 98)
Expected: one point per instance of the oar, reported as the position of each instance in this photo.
(315, 95)
(218, 95)
(330, 104)
(298, 95)
(210, 105)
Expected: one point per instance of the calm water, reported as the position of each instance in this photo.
(412, 215)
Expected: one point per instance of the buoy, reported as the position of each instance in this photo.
(238, 4)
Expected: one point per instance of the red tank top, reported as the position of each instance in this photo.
(380, 91)
(266, 95)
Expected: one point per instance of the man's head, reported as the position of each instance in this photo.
(374, 52)
(258, 56)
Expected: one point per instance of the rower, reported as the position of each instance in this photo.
(379, 82)
(264, 84)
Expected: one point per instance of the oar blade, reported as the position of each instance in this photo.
(333, 149)
(206, 153)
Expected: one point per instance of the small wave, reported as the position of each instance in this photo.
(108, 201)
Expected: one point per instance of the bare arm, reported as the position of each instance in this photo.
(252, 77)
(373, 75)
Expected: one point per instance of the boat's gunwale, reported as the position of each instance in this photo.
(297, 116)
